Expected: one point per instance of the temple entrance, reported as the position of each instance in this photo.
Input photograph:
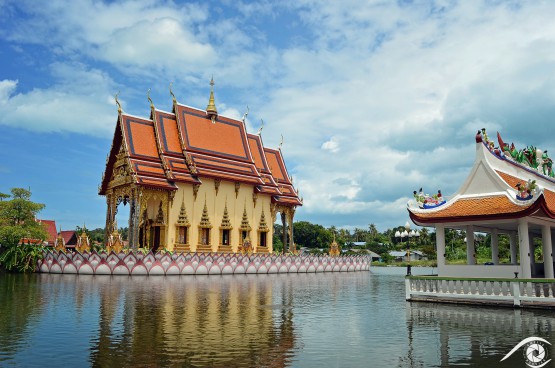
(155, 238)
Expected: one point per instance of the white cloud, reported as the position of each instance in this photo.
(374, 99)
(332, 145)
(78, 103)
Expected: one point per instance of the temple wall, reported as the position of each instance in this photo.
(216, 202)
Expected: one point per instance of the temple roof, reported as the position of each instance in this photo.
(189, 144)
(501, 185)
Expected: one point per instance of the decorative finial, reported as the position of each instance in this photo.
(261, 127)
(245, 115)
(117, 103)
(171, 93)
(211, 108)
(281, 143)
(149, 99)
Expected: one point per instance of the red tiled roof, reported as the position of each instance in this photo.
(470, 208)
(158, 147)
(50, 226)
(70, 237)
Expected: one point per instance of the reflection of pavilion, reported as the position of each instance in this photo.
(507, 192)
(477, 337)
(199, 321)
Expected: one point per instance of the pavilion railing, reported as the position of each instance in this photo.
(518, 292)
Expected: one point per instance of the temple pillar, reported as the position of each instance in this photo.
(494, 246)
(134, 217)
(284, 231)
(440, 243)
(532, 255)
(512, 242)
(470, 248)
(524, 246)
(109, 217)
(291, 240)
(547, 252)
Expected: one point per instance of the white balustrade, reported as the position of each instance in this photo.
(506, 291)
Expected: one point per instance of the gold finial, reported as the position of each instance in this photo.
(261, 127)
(171, 93)
(149, 99)
(245, 115)
(281, 143)
(117, 103)
(211, 108)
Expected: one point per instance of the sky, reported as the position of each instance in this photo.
(374, 99)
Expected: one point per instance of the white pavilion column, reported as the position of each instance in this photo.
(470, 248)
(532, 254)
(512, 242)
(524, 246)
(547, 252)
(440, 243)
(495, 246)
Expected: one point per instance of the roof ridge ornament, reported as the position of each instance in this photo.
(211, 110)
(150, 99)
(261, 127)
(171, 93)
(281, 143)
(117, 103)
(245, 115)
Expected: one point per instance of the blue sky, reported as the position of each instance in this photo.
(374, 98)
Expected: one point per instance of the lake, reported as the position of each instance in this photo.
(355, 319)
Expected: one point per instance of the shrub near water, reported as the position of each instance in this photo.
(17, 227)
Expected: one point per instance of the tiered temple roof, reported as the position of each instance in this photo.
(503, 184)
(189, 144)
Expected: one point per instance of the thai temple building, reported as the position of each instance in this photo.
(508, 191)
(196, 181)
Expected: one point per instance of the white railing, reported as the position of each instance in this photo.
(504, 291)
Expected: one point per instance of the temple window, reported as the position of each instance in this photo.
(225, 237)
(205, 236)
(182, 234)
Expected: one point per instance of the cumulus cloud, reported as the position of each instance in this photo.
(374, 99)
(80, 102)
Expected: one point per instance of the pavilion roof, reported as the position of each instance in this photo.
(490, 191)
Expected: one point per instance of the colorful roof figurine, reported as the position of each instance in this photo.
(188, 144)
(504, 183)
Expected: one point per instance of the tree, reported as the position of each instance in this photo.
(372, 233)
(17, 222)
(311, 235)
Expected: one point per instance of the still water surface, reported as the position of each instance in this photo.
(357, 319)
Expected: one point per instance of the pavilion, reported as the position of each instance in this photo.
(508, 191)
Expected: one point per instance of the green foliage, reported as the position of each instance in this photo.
(22, 258)
(311, 235)
(17, 222)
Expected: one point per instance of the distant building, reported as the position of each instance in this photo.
(401, 256)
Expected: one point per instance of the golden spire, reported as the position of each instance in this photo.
(211, 108)
(182, 219)
(245, 221)
(205, 220)
(160, 216)
(263, 225)
(226, 223)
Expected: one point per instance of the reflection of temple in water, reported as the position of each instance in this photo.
(219, 322)
(464, 334)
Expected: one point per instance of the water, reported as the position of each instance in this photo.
(357, 319)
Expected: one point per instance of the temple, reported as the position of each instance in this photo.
(508, 191)
(196, 181)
